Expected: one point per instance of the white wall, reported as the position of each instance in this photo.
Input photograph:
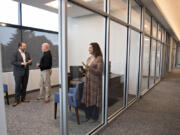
(81, 32)
(34, 78)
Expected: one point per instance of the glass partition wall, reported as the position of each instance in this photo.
(96, 52)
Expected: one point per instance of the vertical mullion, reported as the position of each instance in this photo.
(128, 53)
(141, 53)
(151, 33)
(20, 18)
(106, 60)
(63, 66)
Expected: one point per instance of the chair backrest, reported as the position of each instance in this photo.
(79, 91)
(75, 72)
(5, 87)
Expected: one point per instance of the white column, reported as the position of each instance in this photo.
(3, 128)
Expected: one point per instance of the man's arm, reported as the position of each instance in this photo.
(15, 62)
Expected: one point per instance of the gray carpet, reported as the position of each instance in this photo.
(37, 118)
(157, 113)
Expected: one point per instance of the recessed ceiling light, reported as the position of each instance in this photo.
(3, 24)
(54, 4)
(87, 0)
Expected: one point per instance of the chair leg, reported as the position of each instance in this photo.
(55, 110)
(77, 115)
(7, 98)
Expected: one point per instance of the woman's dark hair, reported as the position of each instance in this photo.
(96, 49)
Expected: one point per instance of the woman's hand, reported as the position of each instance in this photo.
(86, 66)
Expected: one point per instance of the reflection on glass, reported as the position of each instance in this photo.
(9, 11)
(34, 40)
(33, 16)
(147, 23)
(95, 3)
(9, 39)
(158, 58)
(84, 27)
(163, 35)
(117, 63)
(154, 28)
(145, 72)
(135, 14)
(153, 59)
(118, 8)
(133, 65)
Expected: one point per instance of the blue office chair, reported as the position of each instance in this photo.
(5, 88)
(74, 99)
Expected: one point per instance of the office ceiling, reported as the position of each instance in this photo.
(170, 11)
(155, 11)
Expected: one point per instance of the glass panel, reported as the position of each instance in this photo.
(85, 66)
(135, 14)
(153, 59)
(158, 58)
(154, 28)
(159, 33)
(39, 18)
(95, 3)
(133, 64)
(9, 39)
(163, 35)
(24, 83)
(34, 40)
(9, 11)
(145, 72)
(147, 23)
(118, 44)
(119, 8)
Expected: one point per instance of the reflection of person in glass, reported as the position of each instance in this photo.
(92, 91)
(21, 61)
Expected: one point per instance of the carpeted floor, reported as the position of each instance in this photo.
(37, 118)
(157, 113)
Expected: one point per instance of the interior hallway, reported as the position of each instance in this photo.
(157, 113)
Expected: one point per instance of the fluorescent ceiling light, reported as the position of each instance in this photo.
(54, 4)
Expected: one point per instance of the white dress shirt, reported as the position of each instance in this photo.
(23, 55)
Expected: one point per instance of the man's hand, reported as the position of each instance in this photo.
(37, 65)
(24, 63)
(29, 61)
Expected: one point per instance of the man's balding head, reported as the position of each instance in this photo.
(45, 47)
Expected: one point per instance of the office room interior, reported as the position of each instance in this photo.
(135, 50)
